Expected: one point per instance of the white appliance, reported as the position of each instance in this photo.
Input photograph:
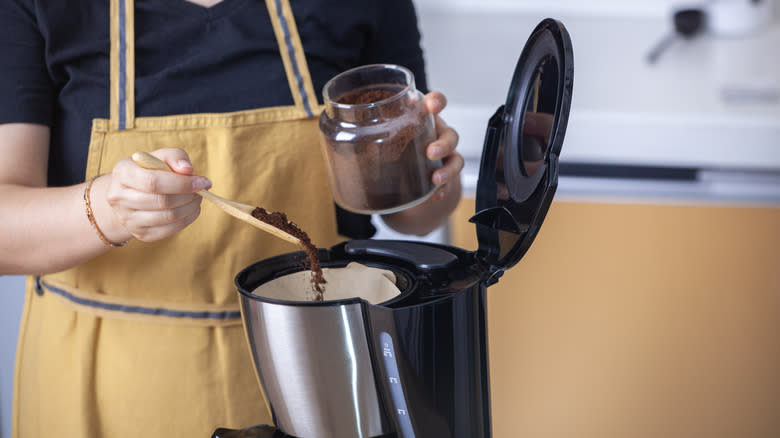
(700, 126)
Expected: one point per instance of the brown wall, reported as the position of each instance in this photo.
(638, 321)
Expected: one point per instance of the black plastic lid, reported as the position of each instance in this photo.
(519, 168)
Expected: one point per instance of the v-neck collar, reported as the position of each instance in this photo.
(203, 6)
(220, 9)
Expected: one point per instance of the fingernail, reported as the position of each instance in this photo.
(439, 195)
(201, 184)
(183, 163)
(434, 152)
(439, 178)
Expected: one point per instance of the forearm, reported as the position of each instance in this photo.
(429, 215)
(46, 230)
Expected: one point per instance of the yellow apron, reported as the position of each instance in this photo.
(146, 340)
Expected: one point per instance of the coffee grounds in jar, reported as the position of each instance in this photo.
(377, 173)
(364, 97)
(280, 221)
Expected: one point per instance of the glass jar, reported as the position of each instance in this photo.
(374, 132)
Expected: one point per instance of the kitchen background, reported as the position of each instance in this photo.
(650, 303)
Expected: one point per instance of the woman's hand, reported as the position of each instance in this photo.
(429, 215)
(443, 147)
(152, 204)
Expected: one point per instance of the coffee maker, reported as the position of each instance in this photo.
(416, 364)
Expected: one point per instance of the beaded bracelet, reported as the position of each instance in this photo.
(91, 217)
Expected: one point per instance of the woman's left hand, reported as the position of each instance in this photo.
(431, 214)
(443, 147)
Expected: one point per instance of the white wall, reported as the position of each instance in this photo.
(554, 7)
(644, 8)
(12, 299)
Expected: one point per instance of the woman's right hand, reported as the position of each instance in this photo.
(151, 205)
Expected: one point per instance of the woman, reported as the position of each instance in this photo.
(131, 323)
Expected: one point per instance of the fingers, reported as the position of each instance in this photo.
(133, 177)
(179, 180)
(445, 143)
(177, 159)
(452, 161)
(434, 102)
(148, 226)
(137, 200)
(154, 204)
(450, 169)
(446, 137)
(452, 165)
(443, 148)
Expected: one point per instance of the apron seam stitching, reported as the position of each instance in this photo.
(221, 315)
(186, 122)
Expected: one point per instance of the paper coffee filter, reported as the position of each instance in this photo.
(355, 280)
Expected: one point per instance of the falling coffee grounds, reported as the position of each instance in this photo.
(280, 221)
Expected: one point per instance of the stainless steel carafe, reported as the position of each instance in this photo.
(416, 364)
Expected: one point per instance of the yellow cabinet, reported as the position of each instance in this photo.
(630, 320)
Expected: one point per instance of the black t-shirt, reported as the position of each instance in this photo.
(54, 60)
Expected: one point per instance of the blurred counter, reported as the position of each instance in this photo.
(708, 109)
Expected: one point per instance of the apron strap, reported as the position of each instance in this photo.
(293, 57)
(122, 58)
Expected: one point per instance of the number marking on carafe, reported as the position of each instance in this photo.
(396, 389)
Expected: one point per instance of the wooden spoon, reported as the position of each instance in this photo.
(235, 209)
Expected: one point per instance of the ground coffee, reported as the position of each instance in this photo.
(364, 97)
(382, 165)
(280, 221)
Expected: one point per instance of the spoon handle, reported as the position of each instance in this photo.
(149, 161)
(235, 209)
